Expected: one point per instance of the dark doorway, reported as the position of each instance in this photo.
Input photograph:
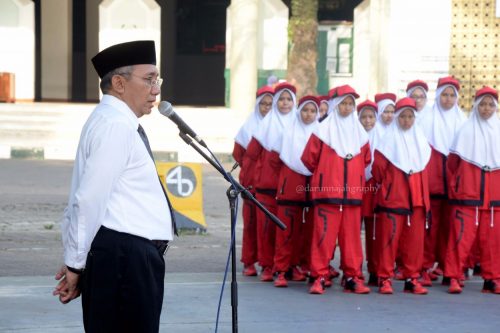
(196, 52)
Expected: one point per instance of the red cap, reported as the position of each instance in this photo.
(406, 102)
(309, 98)
(417, 83)
(285, 85)
(323, 98)
(265, 90)
(367, 104)
(379, 97)
(343, 91)
(449, 80)
(332, 92)
(486, 91)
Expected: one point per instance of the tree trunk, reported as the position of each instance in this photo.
(303, 29)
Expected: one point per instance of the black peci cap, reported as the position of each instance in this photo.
(125, 54)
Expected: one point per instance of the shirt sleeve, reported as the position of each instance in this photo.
(105, 154)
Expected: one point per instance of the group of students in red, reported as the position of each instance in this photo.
(421, 178)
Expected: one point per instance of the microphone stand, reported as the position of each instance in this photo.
(232, 194)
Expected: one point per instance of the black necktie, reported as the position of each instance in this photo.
(144, 138)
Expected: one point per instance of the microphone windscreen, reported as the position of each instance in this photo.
(165, 108)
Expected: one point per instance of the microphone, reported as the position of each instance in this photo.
(166, 109)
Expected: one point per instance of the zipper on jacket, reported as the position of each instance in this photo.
(388, 191)
(457, 183)
(283, 186)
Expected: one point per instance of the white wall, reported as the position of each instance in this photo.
(398, 41)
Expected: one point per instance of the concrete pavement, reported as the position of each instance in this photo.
(190, 306)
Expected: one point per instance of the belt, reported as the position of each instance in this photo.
(161, 245)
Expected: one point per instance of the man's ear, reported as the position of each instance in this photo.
(118, 83)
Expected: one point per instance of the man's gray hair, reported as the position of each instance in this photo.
(106, 80)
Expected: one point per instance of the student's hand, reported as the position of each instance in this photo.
(67, 288)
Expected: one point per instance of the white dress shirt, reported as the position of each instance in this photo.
(114, 184)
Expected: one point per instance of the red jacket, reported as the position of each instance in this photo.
(335, 180)
(292, 187)
(265, 172)
(238, 155)
(470, 185)
(438, 184)
(399, 192)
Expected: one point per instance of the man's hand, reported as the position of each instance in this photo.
(67, 288)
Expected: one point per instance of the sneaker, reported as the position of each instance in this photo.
(281, 281)
(477, 270)
(432, 276)
(373, 280)
(249, 270)
(425, 279)
(454, 287)
(298, 275)
(491, 286)
(328, 283)
(414, 287)
(333, 273)
(318, 286)
(385, 286)
(266, 275)
(355, 285)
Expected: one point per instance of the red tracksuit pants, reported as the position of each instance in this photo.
(266, 230)
(436, 236)
(249, 239)
(463, 231)
(287, 248)
(332, 222)
(395, 231)
(370, 239)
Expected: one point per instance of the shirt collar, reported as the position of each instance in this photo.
(122, 107)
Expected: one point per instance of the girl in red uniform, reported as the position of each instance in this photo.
(262, 152)
(474, 177)
(367, 112)
(249, 240)
(402, 201)
(323, 107)
(417, 90)
(292, 196)
(337, 156)
(440, 127)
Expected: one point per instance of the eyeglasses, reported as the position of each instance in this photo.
(150, 81)
(415, 97)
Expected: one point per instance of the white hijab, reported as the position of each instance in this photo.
(371, 138)
(251, 125)
(440, 126)
(295, 140)
(426, 109)
(345, 135)
(478, 141)
(407, 150)
(381, 127)
(272, 126)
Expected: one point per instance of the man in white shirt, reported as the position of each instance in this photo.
(118, 221)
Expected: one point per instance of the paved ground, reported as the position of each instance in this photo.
(33, 195)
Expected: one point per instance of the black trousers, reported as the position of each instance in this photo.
(122, 286)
